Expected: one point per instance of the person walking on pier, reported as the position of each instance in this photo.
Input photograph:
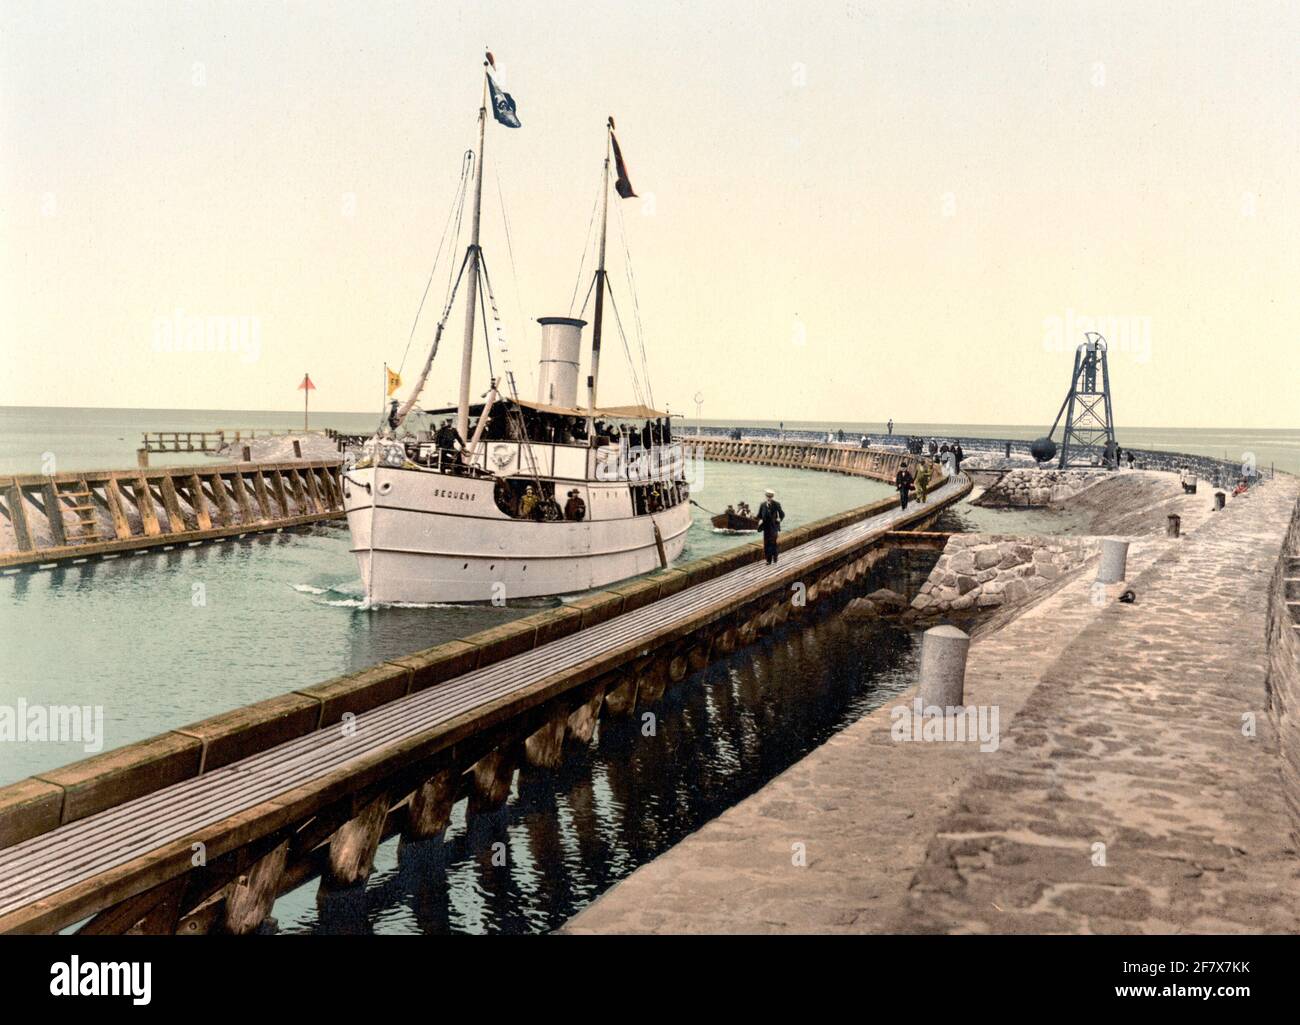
(770, 515)
(957, 454)
(890, 426)
(923, 482)
(903, 481)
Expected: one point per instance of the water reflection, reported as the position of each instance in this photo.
(565, 837)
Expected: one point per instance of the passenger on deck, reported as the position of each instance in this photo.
(575, 508)
(496, 425)
(447, 439)
(527, 504)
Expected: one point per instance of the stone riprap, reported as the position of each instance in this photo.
(1027, 488)
(984, 571)
(997, 461)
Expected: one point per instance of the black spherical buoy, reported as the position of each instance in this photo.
(1043, 450)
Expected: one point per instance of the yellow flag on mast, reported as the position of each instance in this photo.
(394, 379)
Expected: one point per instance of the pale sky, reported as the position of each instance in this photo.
(849, 210)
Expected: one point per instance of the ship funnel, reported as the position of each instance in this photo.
(557, 370)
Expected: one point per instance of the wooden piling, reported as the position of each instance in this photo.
(171, 503)
(652, 681)
(144, 504)
(353, 845)
(197, 503)
(491, 777)
(620, 700)
(113, 496)
(429, 811)
(697, 656)
(582, 723)
(221, 499)
(544, 749)
(54, 514)
(250, 897)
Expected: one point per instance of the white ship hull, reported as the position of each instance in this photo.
(422, 536)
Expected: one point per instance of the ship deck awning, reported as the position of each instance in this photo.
(634, 412)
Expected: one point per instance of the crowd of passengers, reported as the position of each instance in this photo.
(532, 504)
(549, 428)
(552, 428)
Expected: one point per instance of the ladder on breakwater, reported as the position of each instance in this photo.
(74, 516)
(328, 792)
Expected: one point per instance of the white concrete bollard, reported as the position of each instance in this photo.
(1114, 558)
(943, 666)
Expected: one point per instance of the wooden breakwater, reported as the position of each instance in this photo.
(73, 516)
(199, 829)
(880, 464)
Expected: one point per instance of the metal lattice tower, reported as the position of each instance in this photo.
(1089, 438)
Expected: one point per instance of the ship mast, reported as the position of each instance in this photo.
(467, 353)
(594, 376)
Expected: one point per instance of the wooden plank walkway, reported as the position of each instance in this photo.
(62, 876)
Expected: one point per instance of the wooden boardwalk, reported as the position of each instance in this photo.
(147, 845)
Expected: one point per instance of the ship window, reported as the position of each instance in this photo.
(521, 498)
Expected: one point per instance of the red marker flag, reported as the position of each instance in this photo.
(306, 388)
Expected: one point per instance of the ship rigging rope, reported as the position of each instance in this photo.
(514, 409)
(636, 306)
(510, 248)
(405, 409)
(586, 299)
(586, 248)
(454, 214)
(631, 365)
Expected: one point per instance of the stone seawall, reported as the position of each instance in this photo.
(1033, 488)
(1284, 664)
(985, 571)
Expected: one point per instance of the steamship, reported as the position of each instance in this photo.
(522, 497)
